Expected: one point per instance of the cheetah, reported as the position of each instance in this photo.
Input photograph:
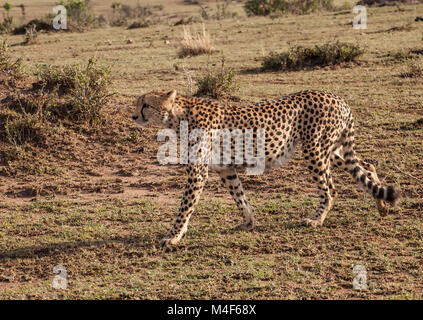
(320, 121)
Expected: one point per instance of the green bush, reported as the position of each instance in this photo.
(7, 6)
(266, 7)
(139, 24)
(307, 6)
(262, 7)
(24, 128)
(218, 84)
(123, 14)
(90, 93)
(13, 69)
(31, 34)
(37, 102)
(383, 3)
(297, 58)
(84, 89)
(222, 11)
(40, 24)
(7, 25)
(27, 116)
(61, 78)
(79, 13)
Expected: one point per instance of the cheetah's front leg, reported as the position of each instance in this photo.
(320, 170)
(197, 177)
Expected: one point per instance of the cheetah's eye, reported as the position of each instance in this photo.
(142, 111)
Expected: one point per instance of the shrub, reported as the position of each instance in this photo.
(13, 69)
(79, 13)
(24, 128)
(85, 90)
(31, 34)
(90, 93)
(193, 45)
(26, 116)
(222, 11)
(139, 24)
(307, 6)
(414, 69)
(218, 84)
(141, 11)
(36, 103)
(122, 13)
(40, 24)
(297, 58)
(404, 55)
(382, 3)
(117, 17)
(400, 55)
(185, 21)
(57, 78)
(7, 6)
(7, 25)
(262, 7)
(266, 7)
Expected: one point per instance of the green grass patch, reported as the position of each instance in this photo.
(217, 84)
(299, 57)
(265, 7)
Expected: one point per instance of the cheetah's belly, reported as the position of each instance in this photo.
(282, 159)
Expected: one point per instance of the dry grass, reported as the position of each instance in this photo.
(195, 44)
(95, 200)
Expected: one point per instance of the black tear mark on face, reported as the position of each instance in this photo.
(142, 112)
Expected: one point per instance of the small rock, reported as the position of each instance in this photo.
(129, 41)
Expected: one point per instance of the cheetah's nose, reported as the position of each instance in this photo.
(134, 118)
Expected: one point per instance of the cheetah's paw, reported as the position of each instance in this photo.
(311, 223)
(247, 226)
(168, 244)
(381, 207)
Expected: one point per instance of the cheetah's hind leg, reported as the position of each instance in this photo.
(231, 180)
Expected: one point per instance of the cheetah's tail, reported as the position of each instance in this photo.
(364, 178)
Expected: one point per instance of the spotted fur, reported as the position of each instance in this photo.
(320, 121)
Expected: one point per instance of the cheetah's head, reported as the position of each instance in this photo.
(154, 108)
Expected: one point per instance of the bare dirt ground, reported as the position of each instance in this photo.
(95, 200)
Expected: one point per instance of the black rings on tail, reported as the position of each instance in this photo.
(363, 177)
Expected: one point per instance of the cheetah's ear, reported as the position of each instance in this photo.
(171, 95)
(139, 101)
(168, 100)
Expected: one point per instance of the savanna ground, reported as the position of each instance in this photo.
(96, 201)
